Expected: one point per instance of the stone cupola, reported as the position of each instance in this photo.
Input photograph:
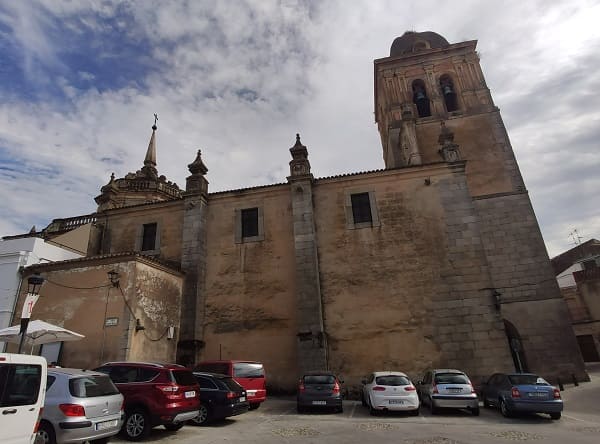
(143, 186)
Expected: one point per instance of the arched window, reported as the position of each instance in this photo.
(448, 93)
(420, 98)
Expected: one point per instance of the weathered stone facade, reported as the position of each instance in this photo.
(79, 295)
(435, 261)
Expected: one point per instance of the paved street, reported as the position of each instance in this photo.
(276, 421)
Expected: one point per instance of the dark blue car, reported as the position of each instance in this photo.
(521, 393)
(220, 397)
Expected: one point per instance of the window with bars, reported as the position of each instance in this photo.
(249, 225)
(361, 208)
(149, 237)
(249, 222)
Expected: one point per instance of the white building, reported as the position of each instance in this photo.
(20, 252)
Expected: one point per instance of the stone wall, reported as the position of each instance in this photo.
(78, 296)
(122, 228)
(250, 288)
(527, 290)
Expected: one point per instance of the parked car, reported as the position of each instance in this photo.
(248, 374)
(321, 390)
(521, 392)
(393, 391)
(22, 392)
(220, 397)
(155, 394)
(448, 388)
(81, 405)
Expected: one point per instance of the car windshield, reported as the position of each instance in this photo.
(527, 380)
(451, 378)
(248, 370)
(92, 386)
(392, 380)
(319, 379)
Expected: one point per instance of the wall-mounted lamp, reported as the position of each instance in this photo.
(113, 276)
(139, 326)
(34, 283)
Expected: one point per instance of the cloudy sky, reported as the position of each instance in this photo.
(81, 79)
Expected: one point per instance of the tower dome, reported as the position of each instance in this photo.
(412, 41)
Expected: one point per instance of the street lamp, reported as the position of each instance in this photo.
(34, 284)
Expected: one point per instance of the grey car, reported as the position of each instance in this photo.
(319, 390)
(447, 388)
(81, 405)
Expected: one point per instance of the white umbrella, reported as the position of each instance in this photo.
(39, 332)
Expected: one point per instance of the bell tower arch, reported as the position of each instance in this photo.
(426, 81)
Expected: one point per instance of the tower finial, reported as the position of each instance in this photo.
(154, 127)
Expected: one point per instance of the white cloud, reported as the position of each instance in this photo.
(239, 79)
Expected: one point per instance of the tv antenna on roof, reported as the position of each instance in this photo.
(576, 237)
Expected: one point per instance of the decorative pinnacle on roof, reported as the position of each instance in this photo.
(298, 150)
(150, 159)
(197, 166)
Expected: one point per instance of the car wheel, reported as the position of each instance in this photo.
(504, 409)
(46, 433)
(372, 411)
(173, 427)
(339, 409)
(100, 441)
(432, 408)
(300, 409)
(137, 425)
(362, 399)
(475, 411)
(254, 405)
(203, 415)
(415, 412)
(556, 415)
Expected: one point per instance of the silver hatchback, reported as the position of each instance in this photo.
(448, 388)
(81, 405)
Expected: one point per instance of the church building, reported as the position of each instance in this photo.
(434, 260)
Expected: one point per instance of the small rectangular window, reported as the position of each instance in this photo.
(149, 237)
(250, 222)
(361, 208)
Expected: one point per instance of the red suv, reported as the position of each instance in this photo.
(248, 374)
(155, 394)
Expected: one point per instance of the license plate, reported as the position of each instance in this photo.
(455, 390)
(242, 398)
(106, 424)
(537, 395)
(251, 393)
(396, 401)
(319, 403)
(190, 394)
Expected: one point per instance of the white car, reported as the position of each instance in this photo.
(22, 391)
(387, 391)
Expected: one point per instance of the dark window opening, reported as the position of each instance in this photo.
(420, 98)
(361, 208)
(449, 94)
(250, 222)
(149, 237)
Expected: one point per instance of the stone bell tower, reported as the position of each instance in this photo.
(427, 81)
(432, 105)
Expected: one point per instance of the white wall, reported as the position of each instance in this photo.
(17, 253)
(566, 279)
